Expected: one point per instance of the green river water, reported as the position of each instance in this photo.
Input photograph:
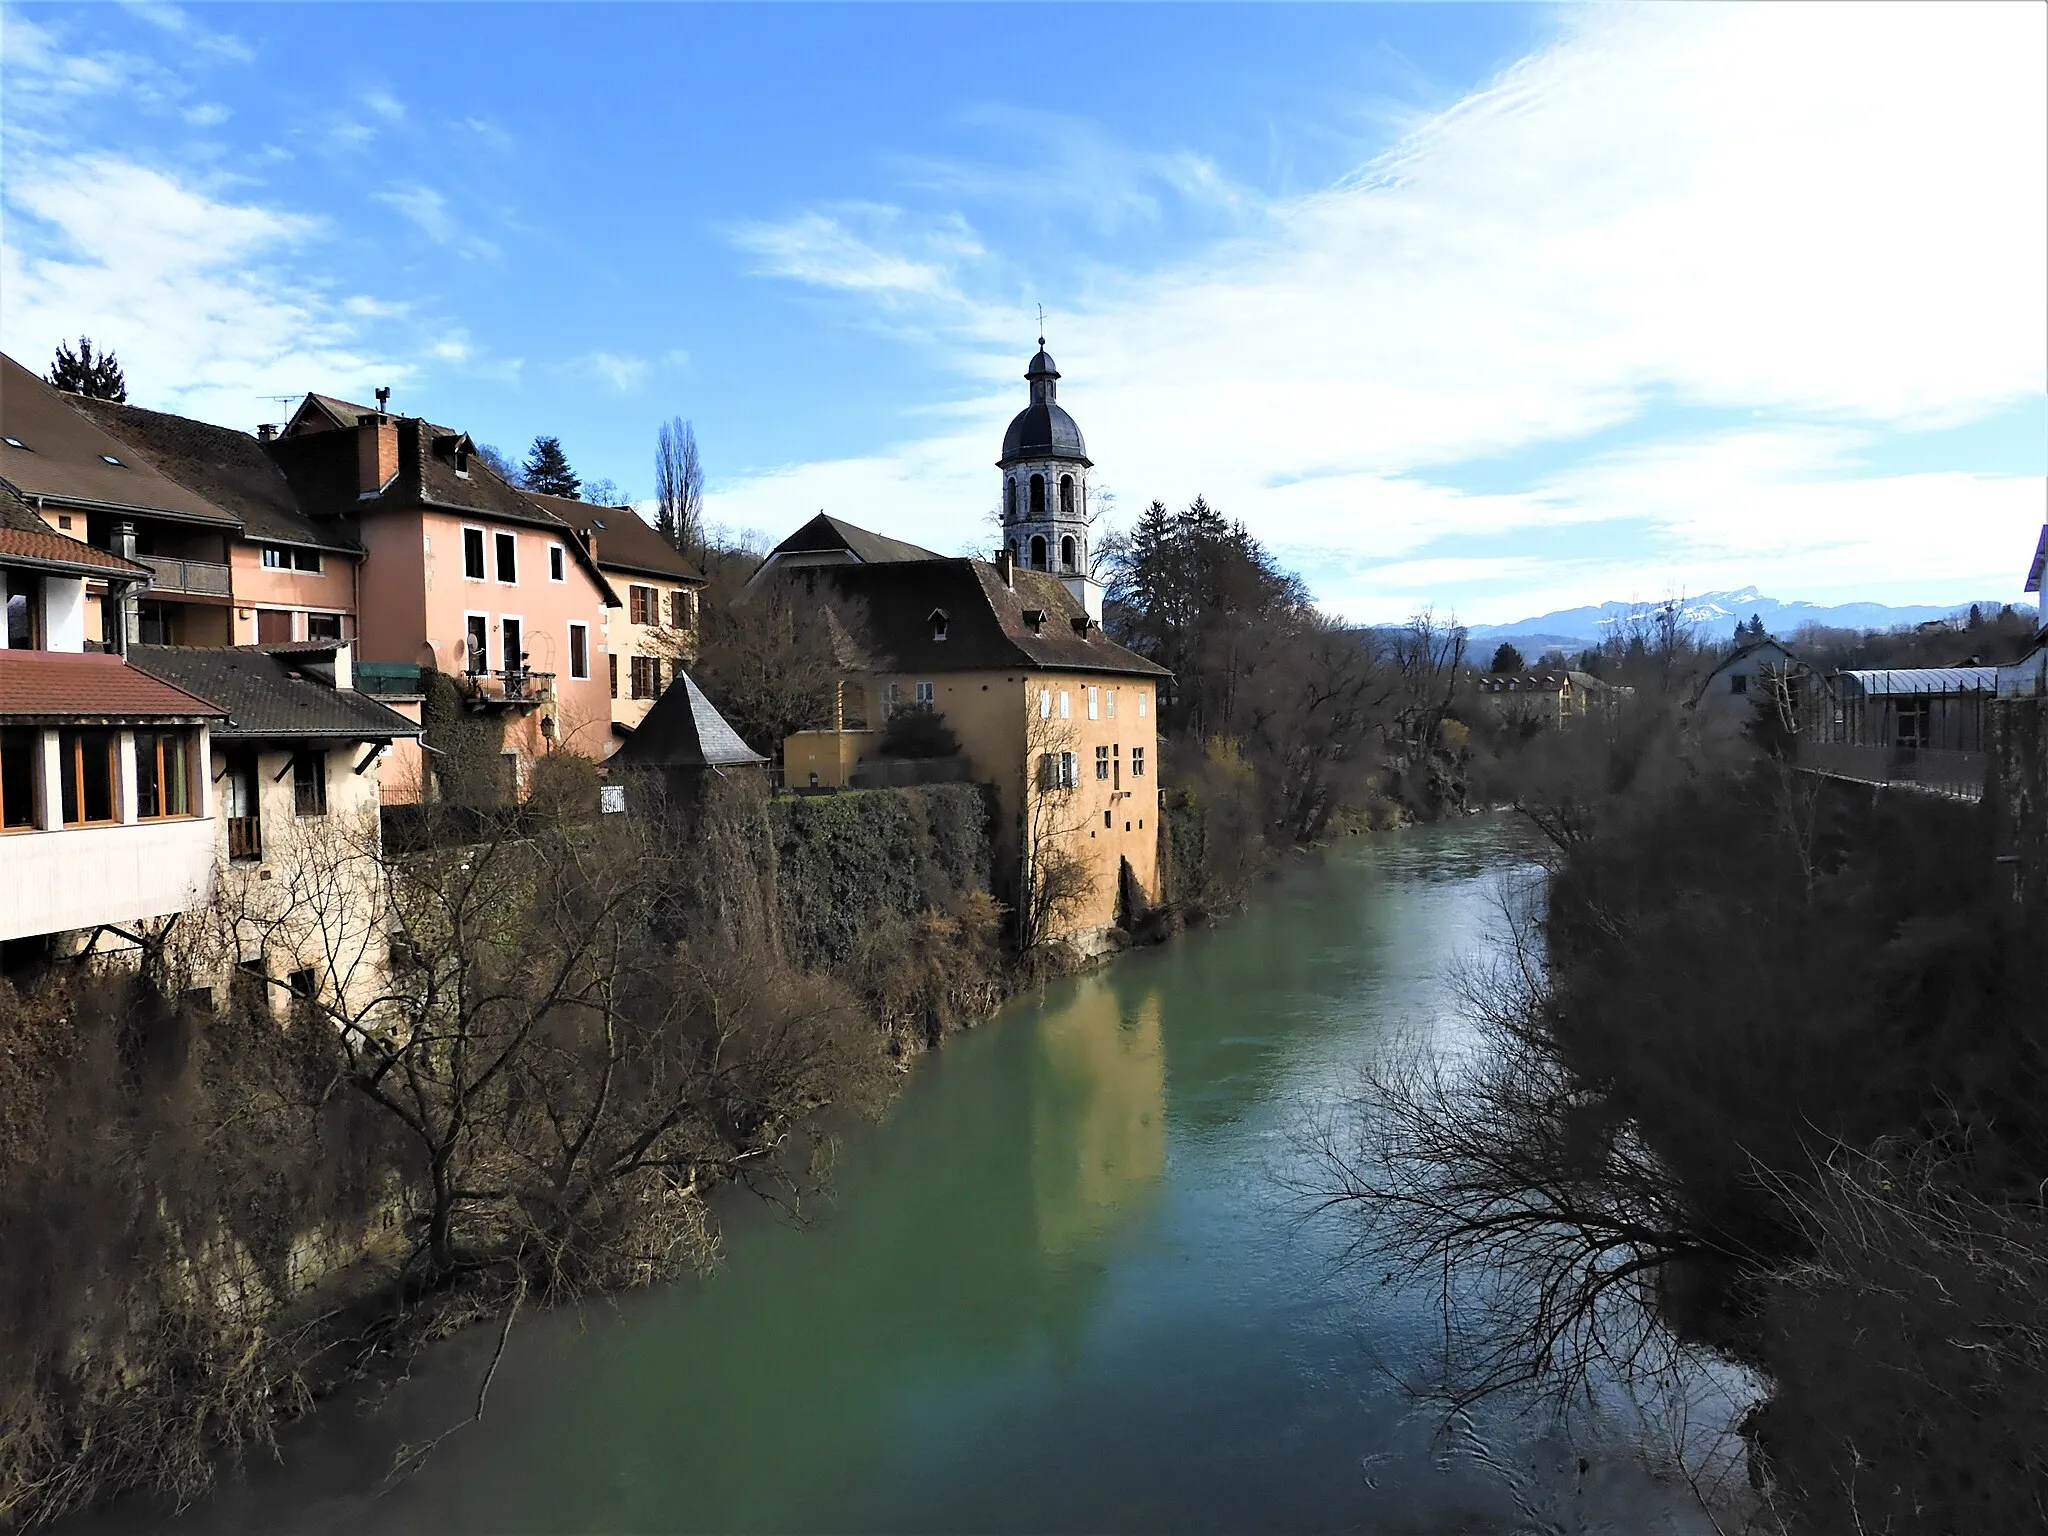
(1060, 1288)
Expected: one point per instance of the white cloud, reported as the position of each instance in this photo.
(191, 288)
(385, 105)
(623, 371)
(428, 211)
(1826, 215)
(208, 114)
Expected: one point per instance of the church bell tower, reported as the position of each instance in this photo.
(1046, 496)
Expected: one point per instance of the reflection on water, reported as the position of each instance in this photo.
(1098, 1125)
(1060, 1290)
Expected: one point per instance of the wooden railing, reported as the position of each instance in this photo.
(245, 837)
(201, 578)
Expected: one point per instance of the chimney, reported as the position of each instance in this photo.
(384, 400)
(1006, 567)
(376, 453)
(266, 432)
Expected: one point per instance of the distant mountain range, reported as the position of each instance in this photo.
(1713, 616)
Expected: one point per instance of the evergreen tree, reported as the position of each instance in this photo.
(83, 373)
(1507, 659)
(547, 470)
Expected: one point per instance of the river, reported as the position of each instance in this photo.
(1059, 1288)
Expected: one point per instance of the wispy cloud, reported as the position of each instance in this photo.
(1814, 218)
(428, 211)
(623, 371)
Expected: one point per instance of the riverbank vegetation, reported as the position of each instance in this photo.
(1761, 1080)
(581, 1026)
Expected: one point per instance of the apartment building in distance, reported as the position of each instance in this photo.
(654, 637)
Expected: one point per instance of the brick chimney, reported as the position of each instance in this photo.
(1006, 566)
(376, 453)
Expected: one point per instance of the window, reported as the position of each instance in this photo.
(646, 677)
(249, 988)
(309, 783)
(1057, 770)
(277, 557)
(1102, 762)
(19, 749)
(108, 458)
(1038, 551)
(323, 626)
(461, 462)
(508, 558)
(1009, 493)
(611, 663)
(927, 695)
(1142, 697)
(682, 610)
(579, 650)
(475, 639)
(1066, 705)
(238, 805)
(15, 442)
(1038, 495)
(273, 626)
(1045, 704)
(1067, 503)
(643, 605)
(1067, 553)
(1109, 702)
(939, 623)
(1105, 821)
(473, 553)
(1094, 703)
(304, 984)
(514, 640)
(86, 759)
(892, 699)
(1137, 762)
(1737, 683)
(163, 774)
(558, 563)
(24, 611)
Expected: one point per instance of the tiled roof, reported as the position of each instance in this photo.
(229, 468)
(65, 457)
(888, 607)
(683, 730)
(824, 533)
(274, 693)
(26, 540)
(625, 540)
(91, 685)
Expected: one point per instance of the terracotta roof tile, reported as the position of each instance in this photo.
(55, 550)
(91, 685)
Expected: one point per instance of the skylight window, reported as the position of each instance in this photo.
(108, 458)
(15, 442)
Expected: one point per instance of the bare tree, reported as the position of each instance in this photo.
(1055, 882)
(679, 487)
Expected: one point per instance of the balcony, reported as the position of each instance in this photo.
(78, 877)
(192, 578)
(509, 689)
(1934, 770)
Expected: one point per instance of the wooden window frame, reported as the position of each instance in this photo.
(35, 759)
(579, 640)
(186, 740)
(476, 663)
(504, 553)
(300, 783)
(73, 769)
(483, 554)
(558, 563)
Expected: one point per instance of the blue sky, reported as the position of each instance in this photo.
(1491, 309)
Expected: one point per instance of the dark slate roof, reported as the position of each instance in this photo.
(1043, 430)
(229, 468)
(65, 452)
(824, 534)
(888, 609)
(682, 730)
(624, 540)
(92, 685)
(274, 693)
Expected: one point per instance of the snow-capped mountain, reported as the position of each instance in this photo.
(1714, 615)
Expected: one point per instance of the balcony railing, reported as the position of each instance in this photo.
(245, 837)
(516, 686)
(198, 578)
(1938, 770)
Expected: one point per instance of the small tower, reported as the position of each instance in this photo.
(1046, 506)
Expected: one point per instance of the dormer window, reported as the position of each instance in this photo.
(938, 623)
(462, 461)
(1035, 617)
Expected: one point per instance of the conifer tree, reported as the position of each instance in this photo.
(547, 470)
(1507, 659)
(97, 377)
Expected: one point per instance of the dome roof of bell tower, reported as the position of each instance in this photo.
(1043, 430)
